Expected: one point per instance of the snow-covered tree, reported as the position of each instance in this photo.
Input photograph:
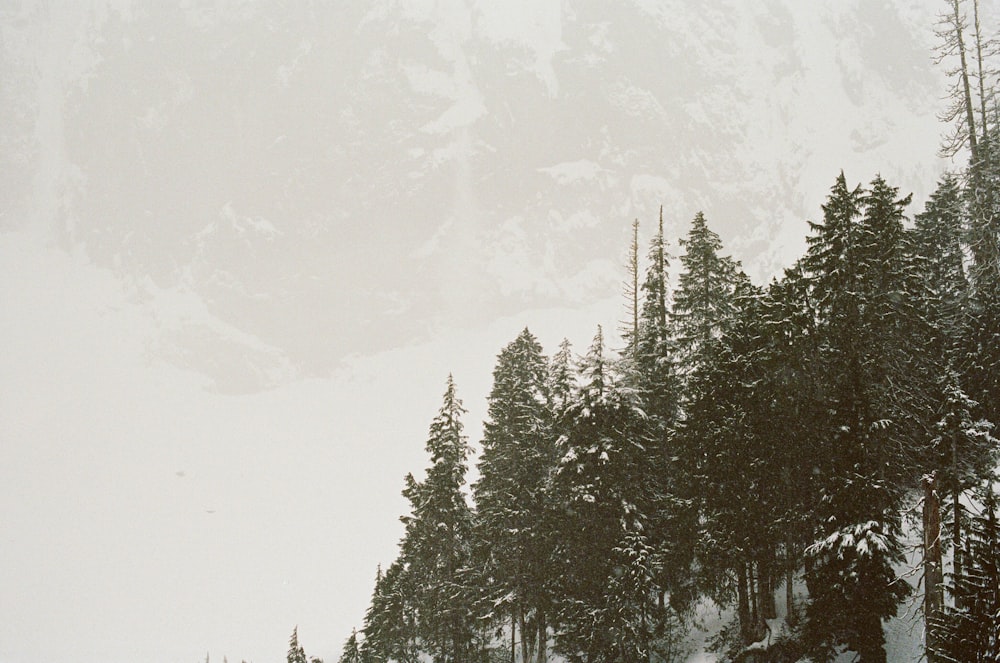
(703, 299)
(870, 437)
(607, 608)
(390, 622)
(514, 548)
(352, 649)
(296, 654)
(436, 544)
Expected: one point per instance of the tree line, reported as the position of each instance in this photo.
(749, 445)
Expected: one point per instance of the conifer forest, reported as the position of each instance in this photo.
(500, 331)
(809, 455)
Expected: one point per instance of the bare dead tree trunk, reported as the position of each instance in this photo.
(980, 71)
(966, 88)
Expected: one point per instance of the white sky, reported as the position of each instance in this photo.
(242, 246)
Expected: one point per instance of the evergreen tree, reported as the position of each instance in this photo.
(352, 649)
(561, 378)
(296, 654)
(703, 301)
(435, 547)
(971, 633)
(390, 623)
(983, 202)
(858, 272)
(511, 494)
(941, 288)
(607, 608)
(729, 420)
(793, 396)
(654, 378)
(653, 361)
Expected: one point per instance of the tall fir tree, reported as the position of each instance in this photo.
(390, 622)
(983, 234)
(858, 270)
(606, 565)
(703, 300)
(511, 495)
(296, 654)
(436, 544)
(654, 378)
(351, 652)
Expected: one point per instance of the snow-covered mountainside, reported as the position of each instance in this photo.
(338, 178)
(242, 244)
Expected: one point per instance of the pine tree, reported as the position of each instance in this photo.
(561, 378)
(352, 649)
(436, 544)
(654, 377)
(793, 395)
(653, 361)
(511, 494)
(296, 654)
(971, 631)
(983, 353)
(390, 622)
(941, 288)
(703, 301)
(858, 272)
(606, 580)
(729, 419)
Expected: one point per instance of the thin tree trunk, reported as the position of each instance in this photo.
(991, 539)
(871, 649)
(981, 74)
(543, 635)
(513, 630)
(933, 597)
(524, 633)
(768, 609)
(790, 616)
(956, 532)
(743, 604)
(966, 89)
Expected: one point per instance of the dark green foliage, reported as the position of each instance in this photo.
(652, 377)
(436, 545)
(983, 202)
(352, 650)
(607, 567)
(703, 300)
(296, 654)
(940, 286)
(971, 633)
(867, 452)
(511, 495)
(390, 622)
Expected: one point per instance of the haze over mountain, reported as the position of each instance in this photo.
(244, 243)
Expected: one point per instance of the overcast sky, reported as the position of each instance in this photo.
(242, 245)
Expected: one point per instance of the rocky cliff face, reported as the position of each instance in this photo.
(328, 179)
